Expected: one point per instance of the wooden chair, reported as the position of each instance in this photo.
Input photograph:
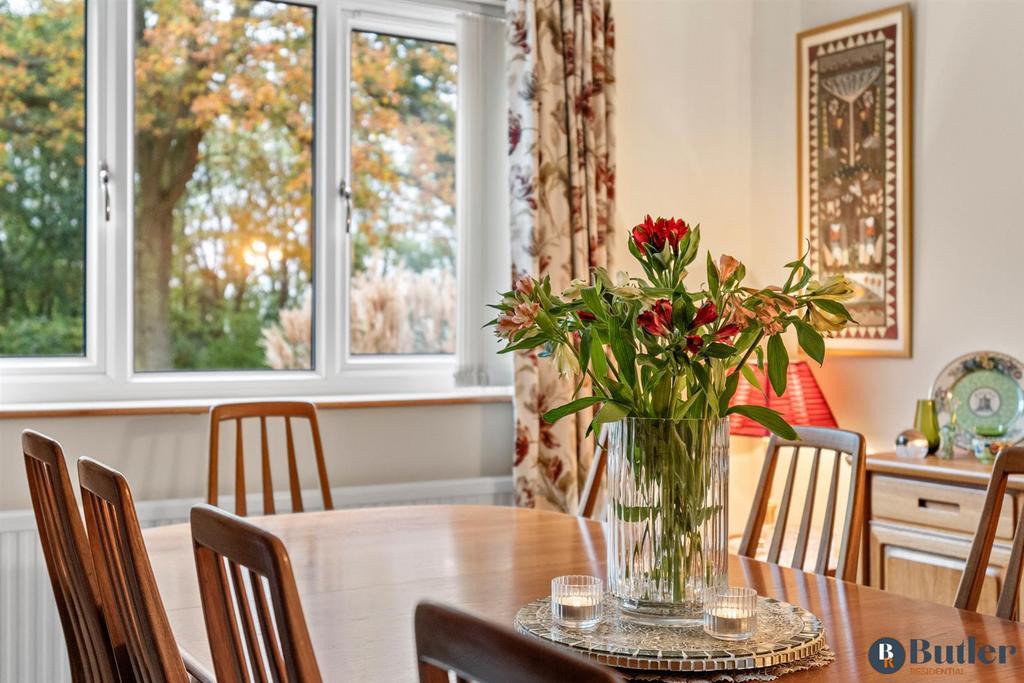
(281, 649)
(1010, 461)
(592, 488)
(68, 560)
(263, 410)
(477, 650)
(816, 440)
(139, 631)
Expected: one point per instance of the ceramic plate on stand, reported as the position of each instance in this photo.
(985, 392)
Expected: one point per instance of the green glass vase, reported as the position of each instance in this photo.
(926, 421)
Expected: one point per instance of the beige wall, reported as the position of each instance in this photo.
(164, 456)
(706, 129)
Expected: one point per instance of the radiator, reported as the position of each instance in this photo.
(31, 639)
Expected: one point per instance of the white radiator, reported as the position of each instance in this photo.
(31, 639)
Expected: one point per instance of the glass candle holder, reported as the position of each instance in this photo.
(576, 600)
(731, 613)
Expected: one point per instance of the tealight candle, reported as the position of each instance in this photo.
(731, 613)
(576, 601)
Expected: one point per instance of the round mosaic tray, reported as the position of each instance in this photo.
(785, 633)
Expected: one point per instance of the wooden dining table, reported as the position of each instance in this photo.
(361, 572)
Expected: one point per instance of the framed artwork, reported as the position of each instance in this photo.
(854, 98)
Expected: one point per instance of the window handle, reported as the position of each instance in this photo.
(105, 184)
(346, 193)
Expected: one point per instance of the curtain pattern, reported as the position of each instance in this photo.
(562, 177)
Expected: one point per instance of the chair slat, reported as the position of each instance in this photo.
(775, 550)
(592, 487)
(829, 521)
(293, 468)
(242, 605)
(1008, 603)
(800, 551)
(268, 478)
(240, 506)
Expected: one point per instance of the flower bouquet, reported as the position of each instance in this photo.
(660, 363)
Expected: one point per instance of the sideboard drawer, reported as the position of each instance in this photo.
(942, 506)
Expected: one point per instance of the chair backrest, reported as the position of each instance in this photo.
(139, 630)
(448, 640)
(68, 560)
(264, 410)
(276, 645)
(1009, 461)
(813, 440)
(595, 477)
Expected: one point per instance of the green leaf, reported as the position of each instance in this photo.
(610, 412)
(778, 363)
(731, 382)
(833, 307)
(713, 284)
(632, 513)
(751, 377)
(625, 354)
(681, 410)
(528, 343)
(768, 418)
(662, 396)
(719, 350)
(810, 341)
(597, 359)
(594, 302)
(571, 407)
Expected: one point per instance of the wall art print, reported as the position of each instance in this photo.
(854, 98)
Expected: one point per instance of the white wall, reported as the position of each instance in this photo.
(706, 129)
(165, 456)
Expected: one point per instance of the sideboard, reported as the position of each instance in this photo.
(922, 514)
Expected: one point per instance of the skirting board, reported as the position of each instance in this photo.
(31, 640)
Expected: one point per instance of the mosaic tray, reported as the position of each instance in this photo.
(785, 633)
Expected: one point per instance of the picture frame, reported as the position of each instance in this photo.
(854, 171)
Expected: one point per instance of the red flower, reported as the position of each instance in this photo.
(586, 316)
(705, 314)
(727, 332)
(657, 233)
(658, 320)
(694, 343)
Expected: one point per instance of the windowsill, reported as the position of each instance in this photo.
(467, 396)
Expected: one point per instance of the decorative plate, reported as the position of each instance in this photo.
(984, 391)
(785, 633)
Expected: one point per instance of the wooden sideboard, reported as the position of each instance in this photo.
(922, 514)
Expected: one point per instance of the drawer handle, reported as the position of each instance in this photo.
(941, 505)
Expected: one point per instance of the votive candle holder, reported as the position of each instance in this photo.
(731, 613)
(576, 600)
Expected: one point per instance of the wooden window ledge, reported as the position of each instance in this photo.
(469, 396)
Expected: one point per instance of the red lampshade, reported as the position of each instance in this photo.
(801, 404)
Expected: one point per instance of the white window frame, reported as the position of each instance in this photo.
(106, 370)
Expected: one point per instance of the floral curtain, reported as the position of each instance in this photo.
(562, 176)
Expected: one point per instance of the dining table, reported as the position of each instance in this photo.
(361, 572)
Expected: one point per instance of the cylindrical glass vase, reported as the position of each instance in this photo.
(668, 520)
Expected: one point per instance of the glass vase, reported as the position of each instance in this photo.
(926, 421)
(667, 517)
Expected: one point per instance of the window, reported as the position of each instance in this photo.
(223, 185)
(42, 177)
(171, 225)
(403, 99)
